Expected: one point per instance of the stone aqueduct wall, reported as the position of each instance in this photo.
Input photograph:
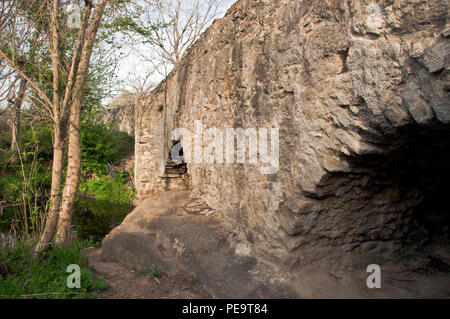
(360, 92)
(121, 112)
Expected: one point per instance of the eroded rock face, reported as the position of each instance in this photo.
(360, 93)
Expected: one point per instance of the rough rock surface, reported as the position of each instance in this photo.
(124, 282)
(180, 234)
(171, 231)
(360, 92)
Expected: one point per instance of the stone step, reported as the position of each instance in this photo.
(171, 176)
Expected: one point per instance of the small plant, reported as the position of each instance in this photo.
(155, 272)
(142, 271)
(161, 107)
(193, 280)
(99, 148)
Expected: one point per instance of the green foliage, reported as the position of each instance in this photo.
(39, 138)
(102, 145)
(5, 140)
(161, 107)
(129, 24)
(155, 272)
(109, 189)
(27, 198)
(46, 277)
(98, 148)
(108, 200)
(124, 144)
(107, 203)
(25, 187)
(33, 140)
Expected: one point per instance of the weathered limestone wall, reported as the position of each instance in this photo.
(149, 141)
(151, 150)
(360, 92)
(121, 113)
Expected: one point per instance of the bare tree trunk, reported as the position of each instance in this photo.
(58, 144)
(17, 113)
(48, 234)
(63, 232)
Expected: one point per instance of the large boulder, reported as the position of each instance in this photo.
(172, 230)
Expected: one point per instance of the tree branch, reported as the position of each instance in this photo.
(35, 87)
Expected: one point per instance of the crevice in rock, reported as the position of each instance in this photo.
(342, 55)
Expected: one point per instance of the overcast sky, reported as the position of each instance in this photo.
(133, 65)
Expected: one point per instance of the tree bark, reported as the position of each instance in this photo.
(48, 234)
(63, 233)
(58, 144)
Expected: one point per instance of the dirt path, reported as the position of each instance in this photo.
(127, 283)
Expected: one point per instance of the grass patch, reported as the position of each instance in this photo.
(46, 277)
(143, 271)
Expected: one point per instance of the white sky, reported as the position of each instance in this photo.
(133, 65)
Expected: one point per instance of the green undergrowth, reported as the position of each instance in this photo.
(106, 203)
(46, 276)
(102, 145)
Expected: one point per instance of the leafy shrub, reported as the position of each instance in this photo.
(26, 181)
(34, 141)
(124, 144)
(102, 145)
(98, 148)
(39, 139)
(26, 198)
